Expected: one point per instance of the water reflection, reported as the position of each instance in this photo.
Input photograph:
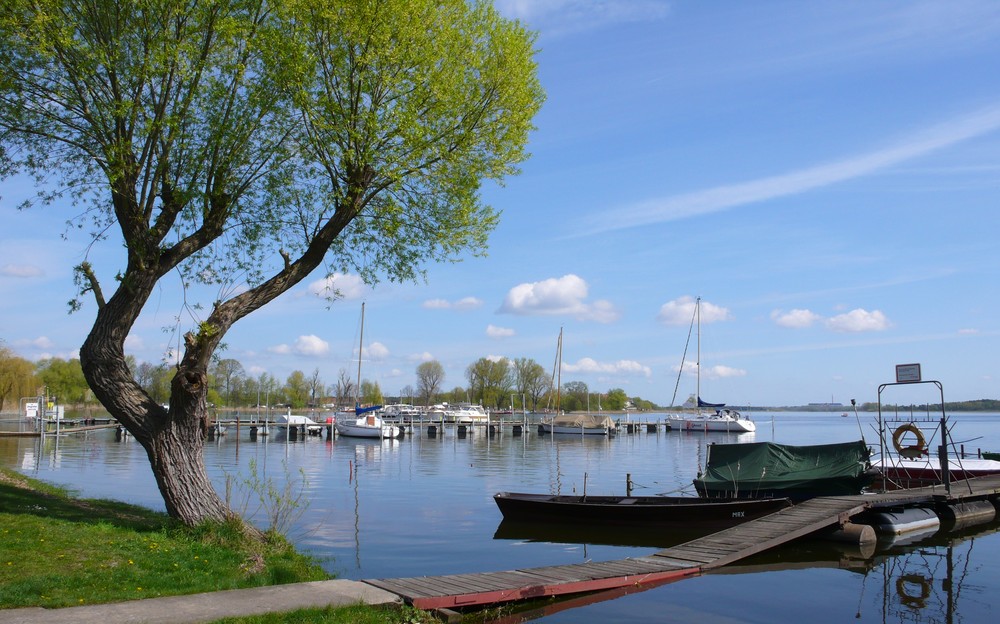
(423, 506)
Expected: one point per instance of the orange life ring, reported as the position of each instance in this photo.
(920, 448)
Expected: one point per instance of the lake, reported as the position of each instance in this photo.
(423, 506)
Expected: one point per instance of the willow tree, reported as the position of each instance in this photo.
(247, 143)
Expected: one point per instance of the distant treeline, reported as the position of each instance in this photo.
(979, 405)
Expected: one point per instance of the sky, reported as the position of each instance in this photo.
(824, 176)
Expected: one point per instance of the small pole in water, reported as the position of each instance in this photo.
(628, 484)
(585, 486)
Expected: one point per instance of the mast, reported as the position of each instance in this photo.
(361, 342)
(697, 365)
(559, 372)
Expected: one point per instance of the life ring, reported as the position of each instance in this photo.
(914, 581)
(916, 450)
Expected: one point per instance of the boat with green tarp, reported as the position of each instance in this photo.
(769, 469)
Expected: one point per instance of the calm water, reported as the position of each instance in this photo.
(422, 506)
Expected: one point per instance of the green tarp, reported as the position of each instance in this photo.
(756, 469)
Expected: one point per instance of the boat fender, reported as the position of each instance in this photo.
(915, 581)
(916, 450)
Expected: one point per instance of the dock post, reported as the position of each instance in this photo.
(461, 431)
(253, 433)
(432, 431)
(628, 484)
(516, 431)
(491, 430)
(651, 427)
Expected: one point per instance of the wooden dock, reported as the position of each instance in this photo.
(688, 559)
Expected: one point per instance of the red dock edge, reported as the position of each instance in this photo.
(529, 592)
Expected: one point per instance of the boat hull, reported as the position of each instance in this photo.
(564, 429)
(713, 424)
(642, 510)
(912, 473)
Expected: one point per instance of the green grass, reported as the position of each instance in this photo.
(61, 551)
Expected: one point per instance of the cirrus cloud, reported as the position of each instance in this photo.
(21, 270)
(621, 367)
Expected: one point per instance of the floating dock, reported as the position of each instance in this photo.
(681, 561)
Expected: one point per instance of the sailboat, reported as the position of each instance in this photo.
(366, 422)
(723, 418)
(586, 424)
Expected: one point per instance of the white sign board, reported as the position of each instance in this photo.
(31, 410)
(907, 373)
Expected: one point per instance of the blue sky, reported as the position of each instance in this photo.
(824, 175)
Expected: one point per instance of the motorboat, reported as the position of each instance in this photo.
(467, 414)
(366, 423)
(578, 424)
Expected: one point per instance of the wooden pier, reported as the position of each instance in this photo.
(684, 560)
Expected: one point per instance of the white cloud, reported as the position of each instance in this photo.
(697, 203)
(720, 372)
(42, 342)
(134, 343)
(968, 331)
(462, 305)
(281, 349)
(338, 286)
(21, 270)
(312, 346)
(498, 332)
(680, 311)
(565, 295)
(621, 367)
(795, 319)
(426, 356)
(859, 320)
(376, 351)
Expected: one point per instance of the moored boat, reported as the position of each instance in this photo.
(644, 510)
(769, 469)
(901, 473)
(577, 424)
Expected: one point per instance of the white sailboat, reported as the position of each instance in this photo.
(365, 422)
(723, 419)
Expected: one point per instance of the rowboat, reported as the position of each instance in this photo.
(645, 510)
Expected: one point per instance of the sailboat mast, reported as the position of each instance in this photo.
(559, 371)
(361, 342)
(697, 366)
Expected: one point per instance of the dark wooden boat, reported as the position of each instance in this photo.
(643, 510)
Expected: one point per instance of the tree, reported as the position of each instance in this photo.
(17, 379)
(530, 381)
(346, 392)
(241, 140)
(371, 393)
(315, 388)
(574, 396)
(64, 380)
(227, 373)
(430, 376)
(615, 400)
(490, 381)
(296, 389)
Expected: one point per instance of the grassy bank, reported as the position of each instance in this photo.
(61, 551)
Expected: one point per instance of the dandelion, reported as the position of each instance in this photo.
(130, 562)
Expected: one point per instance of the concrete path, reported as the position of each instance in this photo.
(209, 606)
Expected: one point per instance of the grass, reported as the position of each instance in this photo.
(61, 551)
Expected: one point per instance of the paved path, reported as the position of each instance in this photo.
(209, 606)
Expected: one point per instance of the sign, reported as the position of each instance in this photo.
(31, 410)
(907, 373)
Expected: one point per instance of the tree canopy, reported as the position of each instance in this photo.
(242, 144)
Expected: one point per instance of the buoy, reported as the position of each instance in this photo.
(850, 533)
(966, 514)
(905, 520)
